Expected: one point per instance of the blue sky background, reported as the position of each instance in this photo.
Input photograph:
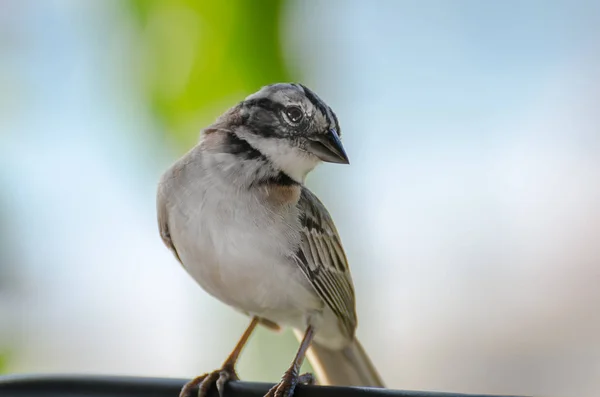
(470, 212)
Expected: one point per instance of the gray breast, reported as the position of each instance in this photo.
(236, 247)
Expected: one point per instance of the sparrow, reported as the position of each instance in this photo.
(236, 214)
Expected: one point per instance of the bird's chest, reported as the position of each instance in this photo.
(239, 251)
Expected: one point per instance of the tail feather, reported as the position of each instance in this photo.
(347, 367)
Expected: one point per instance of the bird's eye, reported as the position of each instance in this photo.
(294, 114)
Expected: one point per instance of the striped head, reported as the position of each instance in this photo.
(290, 126)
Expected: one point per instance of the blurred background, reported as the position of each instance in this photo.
(470, 212)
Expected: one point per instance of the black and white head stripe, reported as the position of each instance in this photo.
(287, 129)
(235, 145)
(264, 103)
(322, 107)
(275, 98)
(244, 151)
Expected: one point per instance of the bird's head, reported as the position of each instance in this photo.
(292, 127)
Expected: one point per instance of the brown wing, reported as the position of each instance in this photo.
(322, 259)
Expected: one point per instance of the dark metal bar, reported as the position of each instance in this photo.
(107, 386)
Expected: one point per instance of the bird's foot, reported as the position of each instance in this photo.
(204, 382)
(288, 383)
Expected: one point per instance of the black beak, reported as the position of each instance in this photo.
(328, 147)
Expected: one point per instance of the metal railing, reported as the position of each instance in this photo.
(105, 386)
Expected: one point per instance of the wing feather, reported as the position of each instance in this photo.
(322, 259)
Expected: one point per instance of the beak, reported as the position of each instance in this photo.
(328, 147)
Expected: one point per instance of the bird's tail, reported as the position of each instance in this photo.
(347, 367)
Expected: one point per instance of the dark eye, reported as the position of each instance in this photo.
(294, 114)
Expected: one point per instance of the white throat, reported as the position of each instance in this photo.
(294, 161)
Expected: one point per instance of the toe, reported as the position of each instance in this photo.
(282, 389)
(186, 390)
(207, 383)
(224, 377)
(307, 379)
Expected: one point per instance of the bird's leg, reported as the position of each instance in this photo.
(220, 376)
(291, 378)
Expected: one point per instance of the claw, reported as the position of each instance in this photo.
(204, 382)
(307, 379)
(186, 390)
(288, 383)
(225, 375)
(207, 383)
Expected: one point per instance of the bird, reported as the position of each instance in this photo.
(236, 213)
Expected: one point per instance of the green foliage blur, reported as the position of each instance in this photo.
(201, 57)
(3, 363)
(198, 58)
